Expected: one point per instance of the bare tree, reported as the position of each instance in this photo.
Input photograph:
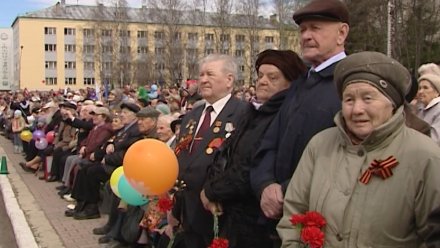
(169, 46)
(221, 19)
(248, 45)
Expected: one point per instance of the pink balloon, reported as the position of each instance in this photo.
(38, 134)
(41, 144)
(50, 137)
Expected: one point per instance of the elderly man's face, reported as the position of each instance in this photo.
(214, 82)
(127, 116)
(320, 40)
(270, 81)
(164, 131)
(364, 108)
(146, 124)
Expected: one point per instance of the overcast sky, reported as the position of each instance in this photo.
(12, 8)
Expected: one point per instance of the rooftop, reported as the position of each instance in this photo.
(144, 14)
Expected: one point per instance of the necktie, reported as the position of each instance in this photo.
(206, 123)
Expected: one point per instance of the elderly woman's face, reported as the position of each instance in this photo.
(364, 108)
(270, 81)
(426, 92)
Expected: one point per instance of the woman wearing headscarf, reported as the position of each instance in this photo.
(429, 97)
(371, 177)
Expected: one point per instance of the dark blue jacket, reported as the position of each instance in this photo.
(309, 108)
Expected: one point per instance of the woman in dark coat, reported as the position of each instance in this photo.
(228, 190)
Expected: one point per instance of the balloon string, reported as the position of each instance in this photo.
(216, 228)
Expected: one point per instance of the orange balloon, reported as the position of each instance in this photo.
(150, 167)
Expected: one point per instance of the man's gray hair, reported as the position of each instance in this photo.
(229, 63)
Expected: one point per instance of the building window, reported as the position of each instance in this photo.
(106, 33)
(224, 37)
(51, 81)
(268, 39)
(89, 48)
(89, 81)
(87, 32)
(142, 49)
(241, 67)
(69, 31)
(239, 53)
(255, 38)
(50, 47)
(70, 48)
(159, 35)
(239, 38)
(224, 51)
(177, 36)
(107, 49)
(124, 33)
(70, 81)
(142, 34)
(70, 64)
(193, 36)
(107, 65)
(90, 66)
(124, 49)
(51, 65)
(209, 51)
(50, 31)
(159, 50)
(159, 66)
(209, 37)
(192, 52)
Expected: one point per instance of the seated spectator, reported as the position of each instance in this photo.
(90, 176)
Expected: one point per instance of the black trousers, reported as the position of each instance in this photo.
(87, 183)
(58, 162)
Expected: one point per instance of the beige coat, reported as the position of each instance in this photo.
(382, 213)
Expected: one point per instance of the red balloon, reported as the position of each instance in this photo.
(50, 137)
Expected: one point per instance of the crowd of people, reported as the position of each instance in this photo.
(353, 139)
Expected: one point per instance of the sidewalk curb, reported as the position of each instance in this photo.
(23, 234)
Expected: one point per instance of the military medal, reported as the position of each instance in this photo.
(216, 129)
(229, 127)
(209, 150)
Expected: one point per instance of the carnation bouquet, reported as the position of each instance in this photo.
(310, 225)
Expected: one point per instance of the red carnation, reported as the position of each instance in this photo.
(313, 218)
(297, 219)
(164, 204)
(312, 236)
(219, 243)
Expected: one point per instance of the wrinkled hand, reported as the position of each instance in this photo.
(213, 207)
(272, 201)
(110, 149)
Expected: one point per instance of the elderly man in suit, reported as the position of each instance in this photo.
(202, 132)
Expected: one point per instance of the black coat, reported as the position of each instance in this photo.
(122, 141)
(229, 182)
(309, 108)
(193, 167)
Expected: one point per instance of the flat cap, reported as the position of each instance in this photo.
(386, 74)
(130, 106)
(68, 104)
(148, 112)
(101, 111)
(331, 10)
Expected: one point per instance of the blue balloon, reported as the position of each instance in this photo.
(129, 194)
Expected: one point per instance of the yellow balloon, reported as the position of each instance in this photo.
(114, 180)
(26, 135)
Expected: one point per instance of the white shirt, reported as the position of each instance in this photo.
(329, 61)
(218, 107)
(170, 140)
